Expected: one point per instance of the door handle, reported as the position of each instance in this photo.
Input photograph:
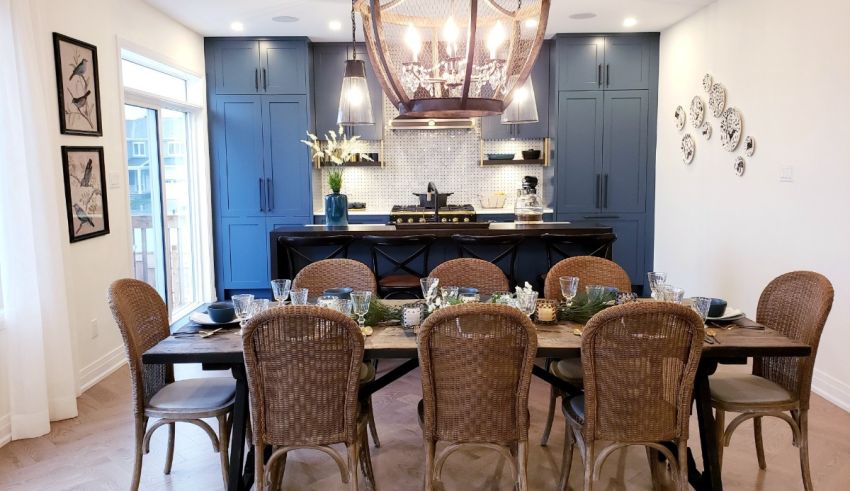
(260, 180)
(257, 79)
(265, 80)
(270, 194)
(599, 75)
(598, 190)
(607, 75)
(605, 194)
(603, 217)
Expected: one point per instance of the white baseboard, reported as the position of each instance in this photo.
(832, 389)
(5, 430)
(101, 368)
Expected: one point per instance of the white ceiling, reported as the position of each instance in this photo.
(213, 17)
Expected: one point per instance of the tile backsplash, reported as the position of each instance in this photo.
(449, 158)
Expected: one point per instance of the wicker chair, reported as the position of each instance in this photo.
(797, 305)
(142, 318)
(497, 249)
(337, 273)
(474, 273)
(640, 360)
(303, 365)
(461, 407)
(293, 253)
(590, 270)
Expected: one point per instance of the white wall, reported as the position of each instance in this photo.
(785, 66)
(93, 264)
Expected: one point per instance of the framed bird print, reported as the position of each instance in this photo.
(78, 86)
(85, 192)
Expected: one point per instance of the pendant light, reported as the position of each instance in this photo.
(523, 107)
(355, 105)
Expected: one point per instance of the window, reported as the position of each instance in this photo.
(163, 182)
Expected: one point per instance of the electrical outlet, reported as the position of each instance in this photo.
(787, 174)
(94, 332)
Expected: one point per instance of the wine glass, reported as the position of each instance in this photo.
(327, 301)
(280, 290)
(656, 279)
(449, 293)
(360, 302)
(569, 287)
(429, 288)
(299, 296)
(700, 305)
(595, 293)
(344, 306)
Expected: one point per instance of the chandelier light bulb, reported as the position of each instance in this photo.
(354, 96)
(520, 95)
(496, 38)
(450, 35)
(413, 41)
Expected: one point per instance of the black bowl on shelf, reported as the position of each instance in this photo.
(531, 154)
(717, 307)
(500, 156)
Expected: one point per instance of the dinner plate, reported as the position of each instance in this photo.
(203, 319)
(729, 314)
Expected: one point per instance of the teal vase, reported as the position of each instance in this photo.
(336, 210)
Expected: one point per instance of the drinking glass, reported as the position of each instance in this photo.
(469, 297)
(595, 293)
(429, 288)
(700, 305)
(527, 302)
(344, 306)
(280, 289)
(242, 305)
(327, 301)
(449, 293)
(259, 306)
(670, 293)
(360, 302)
(656, 279)
(569, 287)
(298, 296)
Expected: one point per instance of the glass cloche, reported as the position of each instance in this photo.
(528, 207)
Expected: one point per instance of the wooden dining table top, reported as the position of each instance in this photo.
(562, 340)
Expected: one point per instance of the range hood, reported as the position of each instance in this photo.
(431, 124)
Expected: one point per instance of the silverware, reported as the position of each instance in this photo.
(711, 334)
(206, 334)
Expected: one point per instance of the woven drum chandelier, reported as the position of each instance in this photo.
(452, 58)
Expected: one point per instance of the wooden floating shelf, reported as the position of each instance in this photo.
(362, 163)
(543, 160)
(514, 162)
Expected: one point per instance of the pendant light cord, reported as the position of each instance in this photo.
(354, 32)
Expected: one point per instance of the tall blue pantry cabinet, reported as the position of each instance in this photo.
(258, 102)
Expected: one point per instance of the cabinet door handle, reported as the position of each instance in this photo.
(605, 193)
(599, 75)
(265, 80)
(598, 189)
(257, 79)
(262, 208)
(603, 217)
(607, 75)
(270, 194)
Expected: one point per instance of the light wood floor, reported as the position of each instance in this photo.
(94, 452)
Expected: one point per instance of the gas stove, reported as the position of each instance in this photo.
(420, 214)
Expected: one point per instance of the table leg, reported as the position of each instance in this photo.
(710, 478)
(396, 373)
(235, 481)
(562, 385)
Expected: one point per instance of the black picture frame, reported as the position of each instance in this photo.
(78, 218)
(72, 118)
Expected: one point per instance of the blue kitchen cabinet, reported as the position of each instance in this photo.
(625, 153)
(493, 129)
(605, 62)
(287, 160)
(580, 62)
(283, 66)
(235, 66)
(250, 66)
(578, 176)
(243, 253)
(627, 62)
(236, 147)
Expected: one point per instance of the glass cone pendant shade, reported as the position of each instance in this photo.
(523, 107)
(355, 106)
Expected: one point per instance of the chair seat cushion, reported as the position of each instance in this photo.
(399, 281)
(746, 389)
(195, 394)
(575, 408)
(367, 372)
(567, 369)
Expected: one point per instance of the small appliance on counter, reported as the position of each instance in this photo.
(529, 206)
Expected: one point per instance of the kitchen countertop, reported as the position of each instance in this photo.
(525, 229)
(386, 211)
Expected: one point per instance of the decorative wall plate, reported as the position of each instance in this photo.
(740, 166)
(688, 148)
(717, 100)
(749, 146)
(730, 129)
(680, 118)
(705, 129)
(697, 111)
(707, 82)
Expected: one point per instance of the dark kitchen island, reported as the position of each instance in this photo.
(531, 264)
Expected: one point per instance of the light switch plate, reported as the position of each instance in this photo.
(114, 180)
(787, 174)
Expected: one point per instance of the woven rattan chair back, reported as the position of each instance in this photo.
(335, 273)
(796, 304)
(476, 362)
(640, 360)
(589, 270)
(303, 365)
(473, 273)
(500, 250)
(560, 246)
(142, 318)
(297, 252)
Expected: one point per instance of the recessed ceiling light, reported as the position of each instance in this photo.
(237, 26)
(629, 22)
(285, 18)
(335, 25)
(583, 16)
(531, 23)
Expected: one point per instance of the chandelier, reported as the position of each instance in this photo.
(452, 58)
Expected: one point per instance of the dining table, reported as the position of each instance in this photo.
(733, 344)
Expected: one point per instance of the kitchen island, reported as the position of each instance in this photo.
(531, 263)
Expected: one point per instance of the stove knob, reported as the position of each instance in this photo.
(444, 220)
(409, 220)
(466, 219)
(399, 220)
(455, 219)
(422, 220)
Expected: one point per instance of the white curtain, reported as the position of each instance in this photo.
(39, 364)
